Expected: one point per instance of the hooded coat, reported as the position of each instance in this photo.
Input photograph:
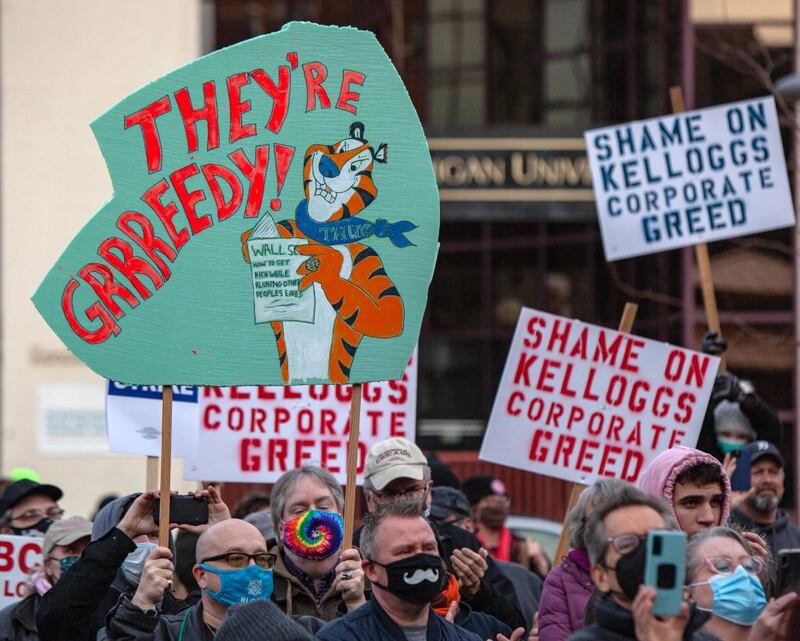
(75, 608)
(565, 594)
(658, 479)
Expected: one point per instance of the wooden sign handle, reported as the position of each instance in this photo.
(701, 250)
(625, 326)
(352, 468)
(166, 465)
(151, 478)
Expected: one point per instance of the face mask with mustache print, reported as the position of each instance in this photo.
(417, 579)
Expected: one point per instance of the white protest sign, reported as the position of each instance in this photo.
(580, 402)
(18, 556)
(133, 419)
(690, 177)
(255, 434)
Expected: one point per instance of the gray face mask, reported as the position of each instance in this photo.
(133, 565)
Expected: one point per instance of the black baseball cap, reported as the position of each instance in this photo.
(760, 449)
(17, 491)
(448, 500)
(480, 486)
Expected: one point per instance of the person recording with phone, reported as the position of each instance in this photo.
(724, 577)
(233, 566)
(124, 534)
(615, 539)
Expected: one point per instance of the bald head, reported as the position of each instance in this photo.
(232, 535)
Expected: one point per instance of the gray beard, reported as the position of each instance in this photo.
(762, 503)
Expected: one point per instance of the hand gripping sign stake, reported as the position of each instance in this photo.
(625, 325)
(701, 251)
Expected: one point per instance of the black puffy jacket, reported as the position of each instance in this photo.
(371, 623)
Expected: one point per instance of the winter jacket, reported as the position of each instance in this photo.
(781, 535)
(295, 599)
(75, 608)
(127, 622)
(484, 625)
(496, 594)
(528, 587)
(615, 623)
(564, 596)
(658, 479)
(371, 623)
(18, 620)
(763, 419)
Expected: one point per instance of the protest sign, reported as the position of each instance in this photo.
(274, 221)
(691, 177)
(133, 419)
(580, 402)
(255, 434)
(18, 556)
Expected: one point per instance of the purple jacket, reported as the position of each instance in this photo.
(564, 596)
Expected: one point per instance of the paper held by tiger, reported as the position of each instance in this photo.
(274, 221)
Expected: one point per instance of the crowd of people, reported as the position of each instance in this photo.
(433, 559)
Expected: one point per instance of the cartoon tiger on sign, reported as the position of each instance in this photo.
(356, 297)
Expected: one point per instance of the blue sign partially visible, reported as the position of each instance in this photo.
(180, 393)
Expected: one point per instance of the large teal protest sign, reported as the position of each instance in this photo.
(689, 178)
(274, 220)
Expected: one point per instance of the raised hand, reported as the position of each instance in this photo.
(773, 624)
(217, 510)
(469, 567)
(651, 628)
(138, 520)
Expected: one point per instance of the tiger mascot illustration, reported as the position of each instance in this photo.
(355, 296)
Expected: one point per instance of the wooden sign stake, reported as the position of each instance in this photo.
(166, 465)
(151, 478)
(352, 468)
(701, 250)
(625, 326)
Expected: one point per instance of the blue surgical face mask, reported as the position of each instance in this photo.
(738, 597)
(133, 565)
(240, 586)
(67, 562)
(728, 446)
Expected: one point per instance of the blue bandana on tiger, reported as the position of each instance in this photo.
(351, 230)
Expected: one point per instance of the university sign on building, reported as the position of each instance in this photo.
(511, 169)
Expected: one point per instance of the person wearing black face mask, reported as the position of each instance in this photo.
(402, 562)
(615, 539)
(29, 508)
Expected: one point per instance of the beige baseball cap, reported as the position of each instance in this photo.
(394, 458)
(65, 532)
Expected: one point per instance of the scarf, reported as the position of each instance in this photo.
(351, 229)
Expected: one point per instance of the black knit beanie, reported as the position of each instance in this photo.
(259, 621)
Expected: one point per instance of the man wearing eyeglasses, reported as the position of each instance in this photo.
(233, 566)
(615, 540)
(29, 508)
(397, 468)
(62, 546)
